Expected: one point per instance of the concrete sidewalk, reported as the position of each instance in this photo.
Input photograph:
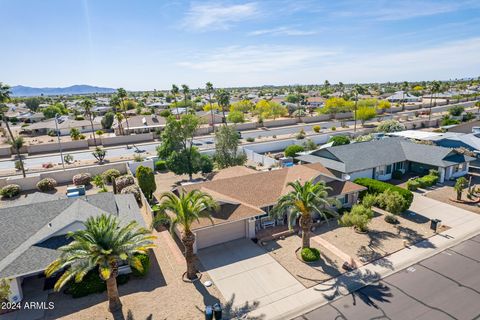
(464, 224)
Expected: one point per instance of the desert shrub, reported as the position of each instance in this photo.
(133, 189)
(206, 164)
(18, 165)
(110, 175)
(369, 200)
(292, 150)
(91, 283)
(123, 181)
(377, 187)
(456, 110)
(301, 135)
(390, 218)
(391, 201)
(160, 165)
(316, 129)
(145, 260)
(413, 184)
(359, 218)
(250, 139)
(82, 179)
(333, 128)
(10, 190)
(47, 184)
(339, 140)
(310, 254)
(397, 174)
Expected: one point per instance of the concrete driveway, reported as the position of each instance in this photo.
(243, 270)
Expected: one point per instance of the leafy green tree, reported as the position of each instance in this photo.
(291, 151)
(244, 106)
(236, 117)
(206, 164)
(456, 110)
(339, 140)
(391, 201)
(336, 105)
(357, 90)
(366, 113)
(177, 146)
(57, 108)
(226, 148)
(32, 103)
(146, 181)
(122, 96)
(104, 244)
(359, 217)
(304, 201)
(460, 184)
(88, 113)
(187, 208)
(114, 103)
(186, 92)
(107, 120)
(223, 100)
(74, 134)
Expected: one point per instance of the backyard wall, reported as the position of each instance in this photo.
(135, 138)
(344, 115)
(5, 152)
(53, 147)
(323, 117)
(279, 123)
(245, 126)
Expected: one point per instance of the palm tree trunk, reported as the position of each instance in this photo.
(211, 111)
(114, 303)
(188, 239)
(93, 131)
(305, 224)
(355, 116)
(17, 150)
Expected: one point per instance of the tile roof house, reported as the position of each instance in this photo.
(379, 158)
(65, 124)
(140, 124)
(245, 199)
(31, 230)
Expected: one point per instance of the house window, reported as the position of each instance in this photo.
(389, 169)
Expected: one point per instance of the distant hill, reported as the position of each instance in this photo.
(22, 91)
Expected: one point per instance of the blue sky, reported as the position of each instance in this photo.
(147, 44)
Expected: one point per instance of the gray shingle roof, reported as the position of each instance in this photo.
(366, 155)
(26, 230)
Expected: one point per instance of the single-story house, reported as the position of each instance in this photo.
(33, 228)
(246, 197)
(378, 159)
(401, 96)
(65, 124)
(206, 117)
(140, 124)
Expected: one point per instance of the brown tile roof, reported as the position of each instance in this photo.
(343, 187)
(233, 172)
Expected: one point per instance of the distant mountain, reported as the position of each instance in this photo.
(22, 91)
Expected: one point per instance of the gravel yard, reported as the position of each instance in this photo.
(444, 194)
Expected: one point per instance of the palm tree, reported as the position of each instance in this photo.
(210, 91)
(185, 91)
(187, 208)
(302, 202)
(114, 102)
(405, 87)
(357, 89)
(104, 244)
(16, 143)
(434, 88)
(341, 89)
(122, 95)
(87, 105)
(223, 99)
(119, 118)
(174, 93)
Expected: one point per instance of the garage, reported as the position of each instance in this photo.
(220, 233)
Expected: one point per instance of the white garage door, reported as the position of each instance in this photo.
(221, 233)
(361, 174)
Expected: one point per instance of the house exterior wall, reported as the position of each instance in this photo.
(16, 293)
(368, 173)
(221, 233)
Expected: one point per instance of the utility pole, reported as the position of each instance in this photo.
(58, 137)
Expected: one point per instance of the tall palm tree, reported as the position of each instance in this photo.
(16, 143)
(185, 91)
(303, 202)
(122, 95)
(119, 118)
(210, 91)
(104, 244)
(114, 102)
(405, 87)
(357, 89)
(223, 99)
(174, 91)
(434, 88)
(87, 105)
(341, 89)
(187, 208)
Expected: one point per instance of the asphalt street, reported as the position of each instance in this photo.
(445, 286)
(201, 142)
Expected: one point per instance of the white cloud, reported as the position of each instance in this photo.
(287, 31)
(217, 16)
(254, 59)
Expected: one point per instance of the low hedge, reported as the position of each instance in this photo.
(376, 187)
(427, 181)
(10, 190)
(310, 254)
(160, 165)
(91, 283)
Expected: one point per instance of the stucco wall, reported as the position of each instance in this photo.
(5, 152)
(53, 147)
(323, 117)
(278, 123)
(135, 138)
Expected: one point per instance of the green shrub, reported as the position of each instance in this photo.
(339, 140)
(160, 165)
(391, 201)
(145, 260)
(301, 135)
(206, 163)
(10, 190)
(427, 181)
(434, 172)
(124, 181)
(377, 187)
(292, 150)
(47, 184)
(359, 217)
(390, 218)
(369, 200)
(250, 139)
(146, 181)
(310, 254)
(90, 284)
(397, 174)
(413, 184)
(456, 110)
(333, 128)
(110, 175)
(316, 129)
